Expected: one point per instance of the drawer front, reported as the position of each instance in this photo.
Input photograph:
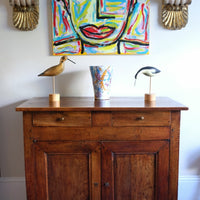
(141, 118)
(69, 119)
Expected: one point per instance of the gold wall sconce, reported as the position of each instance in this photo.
(175, 13)
(25, 14)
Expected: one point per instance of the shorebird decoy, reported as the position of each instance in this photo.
(57, 69)
(54, 71)
(150, 72)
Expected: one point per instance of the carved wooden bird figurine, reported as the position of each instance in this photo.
(148, 71)
(57, 69)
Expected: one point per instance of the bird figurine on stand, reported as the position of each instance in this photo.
(54, 71)
(150, 72)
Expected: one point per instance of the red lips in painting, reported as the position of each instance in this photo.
(94, 32)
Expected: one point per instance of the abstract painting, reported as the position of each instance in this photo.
(84, 27)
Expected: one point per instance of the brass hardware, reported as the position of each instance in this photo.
(140, 118)
(61, 119)
(106, 184)
(25, 14)
(174, 17)
(175, 13)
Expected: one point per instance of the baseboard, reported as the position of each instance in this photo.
(13, 188)
(189, 188)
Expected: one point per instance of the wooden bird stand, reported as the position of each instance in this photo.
(54, 71)
(54, 98)
(150, 97)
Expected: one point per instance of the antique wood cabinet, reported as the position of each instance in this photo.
(117, 149)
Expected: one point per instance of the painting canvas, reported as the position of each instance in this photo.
(84, 27)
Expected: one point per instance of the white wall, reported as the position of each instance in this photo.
(23, 55)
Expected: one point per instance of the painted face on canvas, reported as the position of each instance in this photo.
(99, 22)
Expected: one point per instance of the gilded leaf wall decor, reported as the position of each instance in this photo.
(25, 14)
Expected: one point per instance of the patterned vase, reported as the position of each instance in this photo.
(101, 77)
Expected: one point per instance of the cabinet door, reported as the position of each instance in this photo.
(67, 170)
(135, 170)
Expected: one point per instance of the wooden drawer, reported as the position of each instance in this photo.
(68, 119)
(141, 118)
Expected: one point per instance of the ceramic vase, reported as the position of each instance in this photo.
(101, 78)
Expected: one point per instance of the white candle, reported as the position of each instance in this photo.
(172, 2)
(23, 2)
(166, 1)
(177, 2)
(184, 2)
(17, 2)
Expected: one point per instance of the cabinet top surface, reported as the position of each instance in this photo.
(89, 104)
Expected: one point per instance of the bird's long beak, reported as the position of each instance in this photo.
(71, 60)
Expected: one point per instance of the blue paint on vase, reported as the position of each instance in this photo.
(101, 77)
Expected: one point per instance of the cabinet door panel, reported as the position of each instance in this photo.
(135, 170)
(64, 170)
(68, 176)
(134, 176)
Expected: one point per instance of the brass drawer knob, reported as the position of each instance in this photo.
(61, 119)
(106, 184)
(140, 118)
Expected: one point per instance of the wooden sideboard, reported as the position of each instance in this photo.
(117, 149)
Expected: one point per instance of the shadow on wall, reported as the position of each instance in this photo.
(11, 141)
(74, 83)
(11, 122)
(195, 164)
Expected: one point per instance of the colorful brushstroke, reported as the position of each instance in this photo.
(101, 77)
(82, 27)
